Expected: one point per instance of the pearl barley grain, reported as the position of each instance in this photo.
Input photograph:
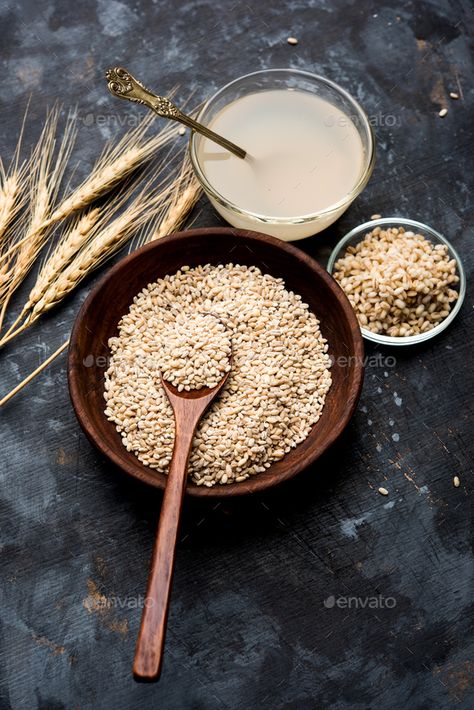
(276, 387)
(398, 282)
(195, 351)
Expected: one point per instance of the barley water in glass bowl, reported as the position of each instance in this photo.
(310, 152)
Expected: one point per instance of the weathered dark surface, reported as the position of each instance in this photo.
(248, 625)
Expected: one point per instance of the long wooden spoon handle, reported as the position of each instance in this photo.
(151, 637)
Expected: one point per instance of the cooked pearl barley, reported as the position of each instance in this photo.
(398, 282)
(195, 351)
(275, 391)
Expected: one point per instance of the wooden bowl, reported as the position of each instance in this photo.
(111, 298)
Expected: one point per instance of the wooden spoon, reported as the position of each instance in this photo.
(188, 408)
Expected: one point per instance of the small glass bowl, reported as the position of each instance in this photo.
(299, 226)
(357, 234)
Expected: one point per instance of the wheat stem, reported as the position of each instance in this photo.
(12, 326)
(71, 241)
(116, 162)
(10, 334)
(33, 374)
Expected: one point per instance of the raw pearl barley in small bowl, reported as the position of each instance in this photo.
(405, 286)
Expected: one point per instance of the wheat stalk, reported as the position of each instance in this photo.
(69, 244)
(173, 215)
(46, 175)
(183, 196)
(115, 163)
(73, 238)
(33, 374)
(143, 207)
(12, 190)
(47, 170)
(13, 196)
(9, 193)
(46, 167)
(87, 243)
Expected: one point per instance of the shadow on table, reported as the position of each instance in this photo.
(229, 519)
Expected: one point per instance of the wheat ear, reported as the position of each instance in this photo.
(8, 201)
(47, 171)
(173, 215)
(69, 244)
(113, 166)
(73, 238)
(105, 244)
(183, 196)
(12, 190)
(9, 193)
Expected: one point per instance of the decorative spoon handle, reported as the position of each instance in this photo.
(123, 85)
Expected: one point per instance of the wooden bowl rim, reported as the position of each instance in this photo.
(259, 482)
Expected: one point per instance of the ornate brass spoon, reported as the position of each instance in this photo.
(122, 84)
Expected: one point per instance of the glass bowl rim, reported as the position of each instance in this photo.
(297, 219)
(405, 222)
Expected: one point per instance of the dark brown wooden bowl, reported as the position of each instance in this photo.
(111, 298)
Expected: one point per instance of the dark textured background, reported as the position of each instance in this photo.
(248, 626)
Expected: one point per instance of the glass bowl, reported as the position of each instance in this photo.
(357, 234)
(299, 226)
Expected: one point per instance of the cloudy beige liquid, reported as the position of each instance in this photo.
(305, 155)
